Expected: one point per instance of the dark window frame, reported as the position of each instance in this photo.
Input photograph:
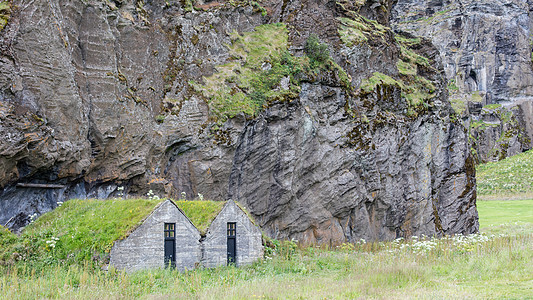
(170, 231)
(231, 229)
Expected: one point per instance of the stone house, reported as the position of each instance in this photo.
(232, 237)
(167, 237)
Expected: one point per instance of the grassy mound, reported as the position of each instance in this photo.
(79, 230)
(510, 178)
(201, 213)
(7, 240)
(84, 231)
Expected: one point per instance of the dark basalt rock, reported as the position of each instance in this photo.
(97, 95)
(485, 47)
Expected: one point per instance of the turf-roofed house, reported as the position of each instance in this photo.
(165, 237)
(188, 234)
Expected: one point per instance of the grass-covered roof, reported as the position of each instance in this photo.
(201, 213)
(85, 230)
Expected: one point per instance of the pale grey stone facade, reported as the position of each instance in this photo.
(144, 247)
(248, 238)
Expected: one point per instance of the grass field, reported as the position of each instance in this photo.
(508, 179)
(483, 266)
(494, 213)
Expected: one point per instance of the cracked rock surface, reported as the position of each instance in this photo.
(95, 95)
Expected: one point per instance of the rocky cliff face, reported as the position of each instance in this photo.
(486, 50)
(326, 125)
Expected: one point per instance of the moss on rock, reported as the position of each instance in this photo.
(5, 13)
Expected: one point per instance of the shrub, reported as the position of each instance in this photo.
(315, 50)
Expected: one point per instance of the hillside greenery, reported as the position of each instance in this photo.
(510, 178)
(261, 71)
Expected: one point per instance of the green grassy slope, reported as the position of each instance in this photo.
(80, 230)
(493, 213)
(201, 213)
(510, 178)
(83, 231)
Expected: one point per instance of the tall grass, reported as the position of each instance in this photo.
(482, 267)
(494, 264)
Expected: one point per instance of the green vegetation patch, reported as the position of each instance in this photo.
(511, 176)
(259, 61)
(359, 30)
(492, 106)
(480, 124)
(201, 213)
(5, 12)
(496, 213)
(84, 230)
(411, 57)
(7, 242)
(458, 105)
(377, 79)
(452, 86)
(261, 71)
(415, 89)
(407, 41)
(406, 68)
(476, 97)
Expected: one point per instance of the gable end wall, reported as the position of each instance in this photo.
(249, 238)
(144, 247)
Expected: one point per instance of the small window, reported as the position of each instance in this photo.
(232, 229)
(170, 230)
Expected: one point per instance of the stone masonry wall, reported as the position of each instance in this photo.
(144, 247)
(249, 240)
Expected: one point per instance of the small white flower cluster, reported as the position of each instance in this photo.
(423, 245)
(419, 247)
(183, 196)
(152, 196)
(52, 242)
(200, 197)
(120, 190)
(33, 217)
(59, 203)
(467, 243)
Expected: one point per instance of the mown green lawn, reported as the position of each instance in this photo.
(494, 213)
